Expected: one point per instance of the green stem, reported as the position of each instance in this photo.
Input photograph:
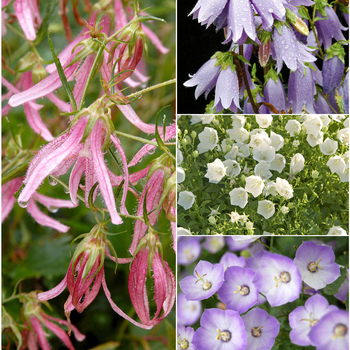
(136, 138)
(314, 30)
(65, 186)
(153, 87)
(265, 245)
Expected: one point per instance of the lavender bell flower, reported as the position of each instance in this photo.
(206, 11)
(206, 280)
(346, 93)
(279, 279)
(332, 73)
(303, 318)
(189, 250)
(287, 49)
(270, 10)
(231, 259)
(261, 329)
(227, 90)
(331, 332)
(329, 28)
(205, 78)
(236, 246)
(214, 244)
(316, 264)
(321, 106)
(343, 289)
(274, 94)
(184, 338)
(238, 291)
(188, 311)
(220, 330)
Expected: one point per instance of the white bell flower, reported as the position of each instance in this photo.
(238, 134)
(270, 189)
(336, 164)
(254, 185)
(345, 156)
(264, 152)
(297, 163)
(328, 147)
(283, 188)
(264, 120)
(313, 125)
(293, 127)
(180, 175)
(278, 163)
(239, 197)
(180, 231)
(232, 167)
(205, 118)
(179, 157)
(315, 140)
(258, 138)
(337, 231)
(216, 171)
(262, 170)
(238, 121)
(266, 208)
(343, 135)
(346, 122)
(325, 119)
(208, 140)
(338, 117)
(344, 176)
(284, 210)
(186, 199)
(277, 141)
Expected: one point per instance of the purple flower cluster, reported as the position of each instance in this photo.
(241, 283)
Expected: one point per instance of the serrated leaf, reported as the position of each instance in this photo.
(333, 288)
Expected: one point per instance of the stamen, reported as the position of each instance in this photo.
(206, 284)
(313, 267)
(183, 343)
(311, 320)
(256, 331)
(243, 290)
(224, 335)
(340, 331)
(284, 277)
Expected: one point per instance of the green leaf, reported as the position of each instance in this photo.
(42, 31)
(62, 76)
(320, 7)
(279, 26)
(333, 288)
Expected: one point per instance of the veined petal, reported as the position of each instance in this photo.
(90, 179)
(38, 330)
(31, 341)
(52, 293)
(118, 310)
(61, 105)
(59, 332)
(140, 76)
(44, 87)
(52, 160)
(160, 284)
(52, 202)
(74, 179)
(25, 18)
(43, 219)
(120, 18)
(102, 173)
(154, 39)
(7, 198)
(119, 147)
(170, 133)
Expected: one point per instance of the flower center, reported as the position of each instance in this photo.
(339, 331)
(188, 253)
(206, 284)
(224, 335)
(243, 290)
(284, 278)
(312, 321)
(183, 343)
(314, 266)
(256, 331)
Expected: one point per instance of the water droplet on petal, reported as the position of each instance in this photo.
(66, 190)
(52, 209)
(52, 182)
(23, 204)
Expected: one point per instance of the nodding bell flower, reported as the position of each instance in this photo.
(159, 192)
(36, 318)
(148, 259)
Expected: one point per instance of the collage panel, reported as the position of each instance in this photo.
(252, 293)
(263, 174)
(263, 57)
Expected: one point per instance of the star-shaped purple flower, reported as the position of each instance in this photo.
(261, 329)
(184, 337)
(316, 264)
(206, 280)
(220, 330)
(231, 259)
(278, 278)
(303, 318)
(188, 311)
(238, 291)
(188, 250)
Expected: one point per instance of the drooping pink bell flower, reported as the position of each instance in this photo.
(164, 287)
(28, 16)
(11, 187)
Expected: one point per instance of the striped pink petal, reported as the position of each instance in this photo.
(74, 179)
(120, 18)
(59, 332)
(43, 219)
(41, 335)
(61, 105)
(25, 18)
(78, 336)
(31, 341)
(52, 202)
(102, 173)
(155, 40)
(53, 159)
(7, 195)
(54, 292)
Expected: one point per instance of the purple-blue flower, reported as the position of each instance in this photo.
(238, 291)
(214, 244)
(236, 246)
(205, 78)
(207, 11)
(303, 318)
(184, 338)
(220, 330)
(316, 264)
(274, 94)
(206, 280)
(332, 73)
(188, 311)
(331, 332)
(279, 279)
(188, 250)
(346, 93)
(343, 289)
(231, 259)
(261, 329)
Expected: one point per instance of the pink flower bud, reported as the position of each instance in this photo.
(264, 53)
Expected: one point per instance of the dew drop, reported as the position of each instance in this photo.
(243, 19)
(52, 182)
(52, 209)
(23, 204)
(66, 190)
(270, 10)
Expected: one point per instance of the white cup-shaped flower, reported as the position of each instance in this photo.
(346, 122)
(205, 119)
(313, 124)
(243, 150)
(315, 140)
(180, 175)
(186, 199)
(232, 167)
(278, 163)
(264, 120)
(277, 141)
(266, 208)
(233, 153)
(262, 170)
(254, 185)
(283, 188)
(238, 121)
(328, 147)
(270, 189)
(208, 140)
(238, 134)
(344, 176)
(337, 231)
(180, 231)
(338, 117)
(336, 164)
(216, 171)
(343, 135)
(239, 197)
(264, 152)
(179, 157)
(345, 156)
(258, 136)
(297, 163)
(293, 127)
(325, 119)
(284, 210)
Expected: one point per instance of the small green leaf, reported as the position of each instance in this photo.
(333, 288)
(279, 26)
(91, 197)
(42, 31)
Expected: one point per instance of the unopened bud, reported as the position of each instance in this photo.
(195, 154)
(39, 73)
(193, 134)
(264, 53)
(301, 26)
(216, 122)
(27, 62)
